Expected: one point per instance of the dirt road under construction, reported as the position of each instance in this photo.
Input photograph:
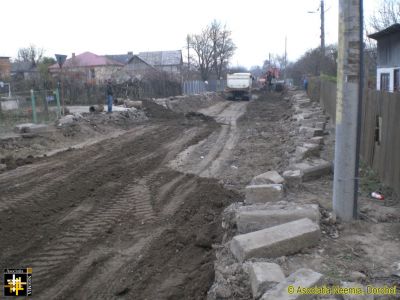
(136, 216)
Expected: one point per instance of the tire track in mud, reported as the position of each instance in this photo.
(133, 200)
(214, 150)
(13, 196)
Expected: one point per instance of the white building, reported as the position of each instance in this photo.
(388, 65)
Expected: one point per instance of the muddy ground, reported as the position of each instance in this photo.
(135, 213)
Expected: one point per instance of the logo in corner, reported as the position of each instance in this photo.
(18, 282)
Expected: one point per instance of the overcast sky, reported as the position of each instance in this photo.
(258, 27)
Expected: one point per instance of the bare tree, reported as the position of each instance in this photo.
(30, 54)
(202, 46)
(213, 48)
(223, 47)
(387, 14)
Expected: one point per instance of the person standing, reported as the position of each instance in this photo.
(109, 94)
(305, 83)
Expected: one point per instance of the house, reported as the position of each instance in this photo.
(388, 64)
(135, 68)
(88, 67)
(5, 67)
(167, 61)
(122, 58)
(24, 70)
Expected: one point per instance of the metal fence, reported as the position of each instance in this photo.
(198, 87)
(29, 107)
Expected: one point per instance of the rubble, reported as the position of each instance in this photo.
(264, 276)
(293, 178)
(304, 278)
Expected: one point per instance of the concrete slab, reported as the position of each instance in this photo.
(304, 278)
(311, 132)
(306, 150)
(313, 169)
(31, 128)
(258, 217)
(276, 241)
(267, 178)
(264, 276)
(263, 193)
(319, 140)
(293, 178)
(66, 120)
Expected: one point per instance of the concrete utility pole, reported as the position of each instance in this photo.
(348, 109)
(322, 64)
(322, 28)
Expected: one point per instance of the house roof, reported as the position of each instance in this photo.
(121, 58)
(395, 28)
(88, 59)
(142, 60)
(162, 58)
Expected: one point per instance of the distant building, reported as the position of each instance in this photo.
(388, 65)
(88, 67)
(24, 70)
(168, 61)
(121, 58)
(5, 67)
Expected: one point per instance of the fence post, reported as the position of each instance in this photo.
(46, 106)
(33, 107)
(57, 92)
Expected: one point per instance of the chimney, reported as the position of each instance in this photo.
(73, 54)
(130, 53)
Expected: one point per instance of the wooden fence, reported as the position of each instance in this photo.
(380, 129)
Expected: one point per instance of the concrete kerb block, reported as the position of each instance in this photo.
(66, 120)
(267, 178)
(305, 278)
(280, 240)
(313, 169)
(319, 140)
(310, 131)
(258, 217)
(263, 193)
(31, 128)
(293, 178)
(264, 276)
(307, 150)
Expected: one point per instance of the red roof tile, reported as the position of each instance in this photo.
(88, 59)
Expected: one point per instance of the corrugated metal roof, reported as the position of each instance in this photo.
(122, 58)
(88, 59)
(395, 28)
(162, 58)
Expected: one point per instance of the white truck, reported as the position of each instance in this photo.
(238, 85)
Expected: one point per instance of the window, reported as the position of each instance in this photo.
(385, 82)
(92, 74)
